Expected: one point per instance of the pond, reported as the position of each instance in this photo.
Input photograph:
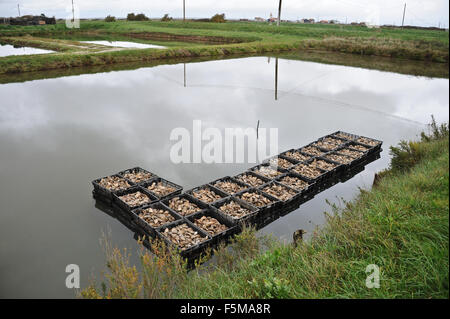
(56, 135)
(125, 44)
(8, 49)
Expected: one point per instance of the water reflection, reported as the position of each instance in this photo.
(8, 50)
(57, 135)
(126, 44)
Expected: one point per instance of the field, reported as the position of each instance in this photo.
(202, 39)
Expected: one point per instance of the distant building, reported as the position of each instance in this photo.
(32, 20)
(243, 20)
(324, 21)
(362, 24)
(272, 19)
(307, 21)
(259, 19)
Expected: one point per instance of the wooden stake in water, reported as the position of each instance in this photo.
(184, 74)
(276, 79)
(257, 130)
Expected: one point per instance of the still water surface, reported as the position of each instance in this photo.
(125, 44)
(56, 135)
(7, 50)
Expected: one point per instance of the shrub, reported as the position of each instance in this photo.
(408, 154)
(218, 18)
(110, 19)
(166, 18)
(271, 288)
(137, 17)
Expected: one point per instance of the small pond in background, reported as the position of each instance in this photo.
(8, 49)
(125, 44)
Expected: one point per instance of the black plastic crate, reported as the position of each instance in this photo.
(342, 141)
(232, 180)
(303, 151)
(264, 179)
(137, 169)
(372, 148)
(246, 219)
(270, 208)
(303, 192)
(334, 171)
(105, 200)
(351, 137)
(215, 190)
(149, 229)
(191, 199)
(127, 208)
(372, 157)
(284, 155)
(283, 202)
(317, 179)
(354, 145)
(267, 165)
(222, 236)
(355, 161)
(178, 188)
(297, 203)
(192, 251)
(271, 161)
(101, 191)
(351, 173)
(350, 161)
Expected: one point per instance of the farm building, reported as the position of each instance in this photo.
(32, 20)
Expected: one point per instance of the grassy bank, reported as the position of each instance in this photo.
(401, 225)
(221, 39)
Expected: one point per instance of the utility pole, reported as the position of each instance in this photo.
(404, 11)
(184, 10)
(279, 14)
(18, 8)
(73, 13)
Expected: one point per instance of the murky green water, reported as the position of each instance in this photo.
(56, 135)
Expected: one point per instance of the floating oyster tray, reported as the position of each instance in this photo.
(210, 214)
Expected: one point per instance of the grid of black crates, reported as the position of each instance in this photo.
(335, 158)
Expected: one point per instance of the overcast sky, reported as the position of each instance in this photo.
(418, 12)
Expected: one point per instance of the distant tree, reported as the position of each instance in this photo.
(166, 18)
(218, 18)
(110, 18)
(141, 17)
(137, 17)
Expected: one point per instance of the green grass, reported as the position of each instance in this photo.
(401, 225)
(199, 39)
